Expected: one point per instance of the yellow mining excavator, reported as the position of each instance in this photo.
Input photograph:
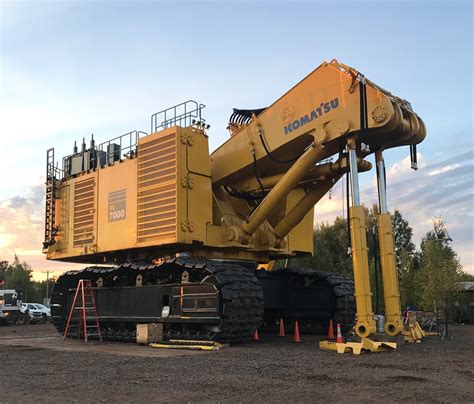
(183, 231)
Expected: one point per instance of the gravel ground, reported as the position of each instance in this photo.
(37, 366)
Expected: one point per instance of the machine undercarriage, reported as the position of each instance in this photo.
(207, 299)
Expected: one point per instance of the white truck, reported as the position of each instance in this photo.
(38, 313)
(11, 307)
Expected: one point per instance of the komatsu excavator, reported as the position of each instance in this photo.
(183, 231)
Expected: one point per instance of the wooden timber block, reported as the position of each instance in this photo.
(148, 333)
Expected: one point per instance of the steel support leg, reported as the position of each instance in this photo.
(391, 290)
(363, 296)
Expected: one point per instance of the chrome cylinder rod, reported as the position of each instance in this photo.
(354, 177)
(381, 183)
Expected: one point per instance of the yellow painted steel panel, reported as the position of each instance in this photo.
(198, 160)
(117, 207)
(84, 212)
(195, 186)
(156, 186)
(298, 239)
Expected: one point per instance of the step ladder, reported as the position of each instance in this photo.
(83, 313)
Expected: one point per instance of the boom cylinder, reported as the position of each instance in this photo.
(284, 187)
(391, 290)
(304, 206)
(363, 296)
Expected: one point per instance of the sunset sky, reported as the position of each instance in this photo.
(72, 68)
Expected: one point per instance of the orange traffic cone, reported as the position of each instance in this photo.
(282, 328)
(255, 336)
(297, 337)
(339, 335)
(331, 330)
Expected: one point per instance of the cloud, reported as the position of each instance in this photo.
(456, 159)
(402, 169)
(17, 202)
(21, 223)
(443, 169)
(22, 230)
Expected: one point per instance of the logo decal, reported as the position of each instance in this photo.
(324, 108)
(117, 205)
(287, 113)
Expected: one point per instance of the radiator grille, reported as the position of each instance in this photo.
(84, 212)
(157, 190)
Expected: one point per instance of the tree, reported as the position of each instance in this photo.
(408, 269)
(465, 277)
(330, 243)
(403, 235)
(18, 275)
(439, 234)
(407, 260)
(3, 269)
(439, 268)
(330, 249)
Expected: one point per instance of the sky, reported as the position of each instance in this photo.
(72, 68)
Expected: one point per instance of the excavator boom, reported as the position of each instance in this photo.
(329, 105)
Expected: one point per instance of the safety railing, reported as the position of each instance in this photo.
(125, 146)
(185, 114)
(118, 147)
(103, 154)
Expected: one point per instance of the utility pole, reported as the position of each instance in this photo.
(47, 284)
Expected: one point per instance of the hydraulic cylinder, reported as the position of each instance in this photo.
(283, 187)
(391, 290)
(304, 206)
(363, 296)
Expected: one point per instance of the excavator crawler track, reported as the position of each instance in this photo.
(343, 288)
(240, 298)
(309, 296)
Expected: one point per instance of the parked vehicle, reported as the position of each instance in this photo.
(11, 307)
(37, 312)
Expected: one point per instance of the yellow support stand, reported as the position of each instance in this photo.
(365, 344)
(192, 345)
(414, 333)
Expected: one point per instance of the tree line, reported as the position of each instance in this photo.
(427, 273)
(19, 275)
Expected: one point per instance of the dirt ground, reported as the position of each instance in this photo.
(37, 366)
